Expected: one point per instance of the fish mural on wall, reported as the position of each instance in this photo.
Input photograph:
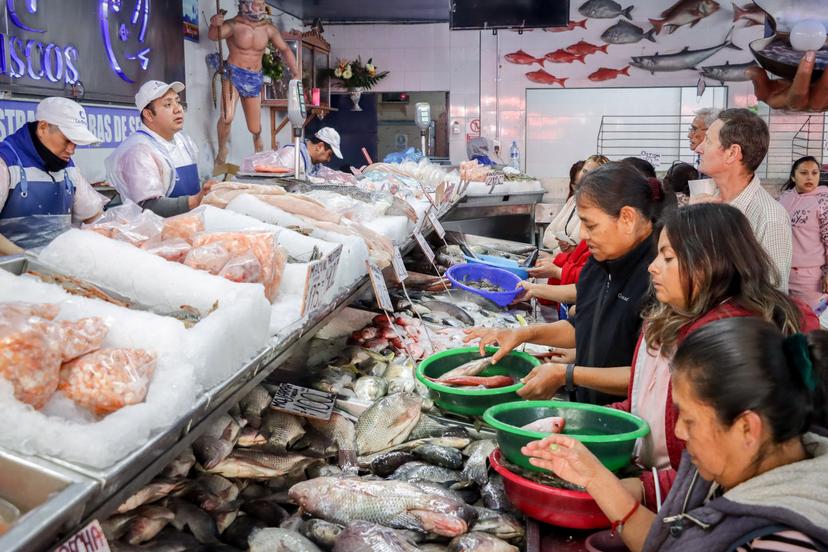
(624, 32)
(684, 12)
(584, 48)
(750, 14)
(605, 74)
(568, 27)
(685, 59)
(542, 77)
(727, 72)
(563, 56)
(522, 58)
(604, 9)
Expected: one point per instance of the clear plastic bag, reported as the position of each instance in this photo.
(30, 352)
(108, 379)
(245, 268)
(174, 250)
(210, 257)
(81, 337)
(184, 226)
(128, 223)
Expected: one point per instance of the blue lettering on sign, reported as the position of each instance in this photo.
(140, 18)
(111, 124)
(31, 7)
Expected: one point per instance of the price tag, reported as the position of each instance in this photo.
(424, 246)
(320, 278)
(399, 265)
(302, 401)
(89, 539)
(435, 222)
(380, 289)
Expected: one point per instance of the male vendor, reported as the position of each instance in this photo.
(155, 166)
(41, 190)
(313, 152)
(248, 35)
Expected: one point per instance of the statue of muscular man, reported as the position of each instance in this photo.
(247, 37)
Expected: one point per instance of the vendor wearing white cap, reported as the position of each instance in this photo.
(41, 190)
(314, 151)
(155, 167)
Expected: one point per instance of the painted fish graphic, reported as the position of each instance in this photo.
(522, 58)
(604, 9)
(568, 27)
(685, 59)
(727, 72)
(750, 13)
(626, 33)
(542, 77)
(562, 56)
(584, 48)
(605, 73)
(684, 12)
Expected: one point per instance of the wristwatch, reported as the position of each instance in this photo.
(570, 373)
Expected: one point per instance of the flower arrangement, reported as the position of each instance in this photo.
(353, 74)
(272, 65)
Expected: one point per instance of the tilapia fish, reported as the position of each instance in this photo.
(420, 471)
(408, 446)
(280, 540)
(147, 523)
(181, 466)
(282, 430)
(470, 368)
(387, 422)
(321, 532)
(341, 431)
(253, 464)
(361, 536)
(445, 457)
(217, 442)
(502, 526)
(199, 522)
(477, 467)
(154, 491)
(395, 504)
(254, 404)
(480, 542)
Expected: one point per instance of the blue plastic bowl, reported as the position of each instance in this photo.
(497, 276)
(500, 262)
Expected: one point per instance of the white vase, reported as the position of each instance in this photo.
(355, 95)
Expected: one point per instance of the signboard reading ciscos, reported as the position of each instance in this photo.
(102, 49)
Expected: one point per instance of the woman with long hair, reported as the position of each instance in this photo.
(807, 204)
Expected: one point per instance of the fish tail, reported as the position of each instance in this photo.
(625, 71)
(649, 34)
(657, 25)
(581, 58)
(604, 48)
(737, 12)
(729, 40)
(541, 60)
(627, 12)
(563, 81)
(581, 23)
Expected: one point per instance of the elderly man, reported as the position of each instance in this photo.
(41, 190)
(705, 117)
(734, 147)
(155, 167)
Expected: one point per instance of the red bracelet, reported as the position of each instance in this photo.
(620, 524)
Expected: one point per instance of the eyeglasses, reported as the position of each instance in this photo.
(694, 128)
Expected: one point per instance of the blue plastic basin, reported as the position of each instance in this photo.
(500, 262)
(497, 276)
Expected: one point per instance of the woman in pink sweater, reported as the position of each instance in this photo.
(807, 204)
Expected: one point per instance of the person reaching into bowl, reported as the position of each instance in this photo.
(753, 473)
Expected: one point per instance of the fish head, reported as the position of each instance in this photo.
(642, 62)
(706, 7)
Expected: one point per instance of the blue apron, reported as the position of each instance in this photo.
(187, 182)
(36, 211)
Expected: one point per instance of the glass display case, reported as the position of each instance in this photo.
(313, 56)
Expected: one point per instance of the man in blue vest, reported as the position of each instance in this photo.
(41, 190)
(313, 152)
(155, 166)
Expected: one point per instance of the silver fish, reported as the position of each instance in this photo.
(341, 431)
(624, 32)
(448, 308)
(252, 464)
(686, 59)
(604, 9)
(429, 427)
(280, 540)
(199, 522)
(387, 463)
(370, 388)
(454, 442)
(494, 494)
(727, 72)
(387, 422)
(477, 467)
(480, 542)
(254, 404)
(217, 442)
(503, 526)
(395, 504)
(445, 457)
(321, 532)
(360, 536)
(155, 490)
(282, 430)
(470, 368)
(147, 523)
(420, 471)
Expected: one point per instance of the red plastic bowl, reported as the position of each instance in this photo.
(561, 507)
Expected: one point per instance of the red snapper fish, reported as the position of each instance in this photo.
(562, 56)
(584, 48)
(542, 77)
(684, 12)
(750, 13)
(552, 424)
(522, 58)
(605, 73)
(568, 27)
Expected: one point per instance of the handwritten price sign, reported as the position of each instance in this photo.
(302, 401)
(321, 277)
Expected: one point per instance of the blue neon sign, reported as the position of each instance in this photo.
(140, 17)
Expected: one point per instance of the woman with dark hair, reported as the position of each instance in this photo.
(677, 179)
(642, 165)
(807, 204)
(752, 411)
(618, 209)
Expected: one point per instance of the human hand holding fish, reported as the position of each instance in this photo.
(799, 95)
(543, 381)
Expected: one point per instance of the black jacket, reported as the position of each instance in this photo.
(611, 295)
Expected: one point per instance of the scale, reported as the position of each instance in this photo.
(422, 118)
(296, 115)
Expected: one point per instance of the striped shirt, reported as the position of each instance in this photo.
(783, 541)
(771, 226)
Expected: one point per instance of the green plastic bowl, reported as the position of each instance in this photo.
(610, 434)
(473, 402)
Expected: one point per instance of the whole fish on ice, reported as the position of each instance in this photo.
(568, 27)
(522, 58)
(604, 9)
(684, 12)
(551, 424)
(750, 13)
(625, 32)
(727, 72)
(542, 77)
(685, 59)
(605, 73)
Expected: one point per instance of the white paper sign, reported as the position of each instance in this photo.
(653, 158)
(89, 539)
(421, 241)
(320, 278)
(380, 289)
(435, 222)
(399, 265)
(302, 401)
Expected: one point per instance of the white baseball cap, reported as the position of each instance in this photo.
(152, 90)
(69, 117)
(330, 137)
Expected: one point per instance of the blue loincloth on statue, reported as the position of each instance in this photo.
(248, 83)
